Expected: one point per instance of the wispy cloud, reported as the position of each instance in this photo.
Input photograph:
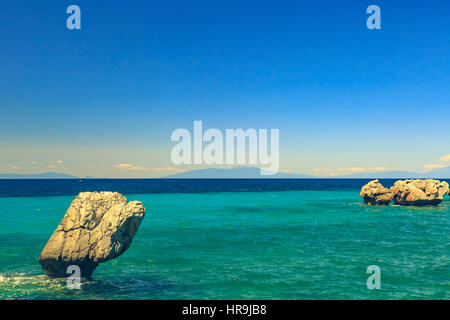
(54, 163)
(435, 166)
(128, 166)
(168, 169)
(345, 171)
(13, 166)
(368, 169)
(29, 162)
(322, 170)
(444, 164)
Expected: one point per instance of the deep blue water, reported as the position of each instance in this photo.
(64, 187)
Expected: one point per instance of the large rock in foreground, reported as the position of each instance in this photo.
(96, 228)
(374, 193)
(419, 192)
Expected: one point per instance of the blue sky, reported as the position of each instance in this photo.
(112, 93)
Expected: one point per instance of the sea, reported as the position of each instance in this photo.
(235, 239)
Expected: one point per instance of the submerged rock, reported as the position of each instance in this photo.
(419, 192)
(374, 193)
(98, 226)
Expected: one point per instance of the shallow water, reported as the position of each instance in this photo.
(301, 244)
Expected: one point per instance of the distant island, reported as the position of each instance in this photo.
(44, 175)
(234, 173)
(251, 172)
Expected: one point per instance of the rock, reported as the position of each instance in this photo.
(98, 226)
(374, 193)
(419, 192)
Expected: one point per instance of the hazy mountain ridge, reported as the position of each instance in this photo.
(44, 175)
(234, 173)
(252, 173)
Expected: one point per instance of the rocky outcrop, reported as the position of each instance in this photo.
(97, 227)
(419, 192)
(374, 193)
(406, 192)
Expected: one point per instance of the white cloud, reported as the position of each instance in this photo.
(168, 169)
(55, 162)
(128, 166)
(368, 169)
(322, 170)
(443, 164)
(345, 171)
(435, 166)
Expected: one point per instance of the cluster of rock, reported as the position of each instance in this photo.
(405, 192)
(97, 227)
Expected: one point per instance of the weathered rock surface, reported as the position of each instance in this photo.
(97, 227)
(419, 192)
(374, 193)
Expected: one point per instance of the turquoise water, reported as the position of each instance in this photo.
(242, 245)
